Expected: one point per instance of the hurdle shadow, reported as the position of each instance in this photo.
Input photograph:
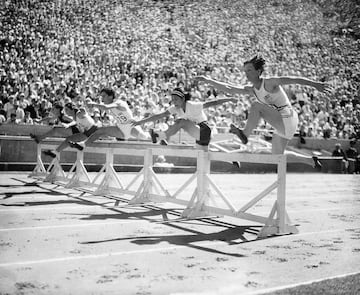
(27, 184)
(33, 184)
(228, 235)
(45, 191)
(125, 215)
(42, 203)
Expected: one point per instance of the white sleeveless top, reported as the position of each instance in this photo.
(194, 111)
(85, 123)
(277, 100)
(121, 117)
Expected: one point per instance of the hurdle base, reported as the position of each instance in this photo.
(35, 174)
(269, 230)
(146, 199)
(190, 213)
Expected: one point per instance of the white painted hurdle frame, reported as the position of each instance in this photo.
(152, 190)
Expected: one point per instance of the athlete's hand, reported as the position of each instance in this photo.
(328, 91)
(324, 87)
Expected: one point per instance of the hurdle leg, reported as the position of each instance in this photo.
(143, 193)
(80, 173)
(110, 181)
(282, 225)
(39, 169)
(200, 199)
(56, 171)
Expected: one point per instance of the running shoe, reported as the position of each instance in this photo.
(236, 164)
(49, 153)
(75, 145)
(317, 164)
(153, 136)
(239, 133)
(34, 137)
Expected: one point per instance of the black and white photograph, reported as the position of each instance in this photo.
(178, 147)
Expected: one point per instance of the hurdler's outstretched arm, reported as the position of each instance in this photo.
(151, 118)
(225, 87)
(107, 106)
(215, 102)
(286, 80)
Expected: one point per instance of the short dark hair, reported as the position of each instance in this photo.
(71, 106)
(257, 61)
(178, 92)
(108, 91)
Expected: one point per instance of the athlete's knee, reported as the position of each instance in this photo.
(256, 106)
(179, 121)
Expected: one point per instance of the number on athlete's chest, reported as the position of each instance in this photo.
(121, 118)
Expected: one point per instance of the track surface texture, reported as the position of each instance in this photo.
(55, 240)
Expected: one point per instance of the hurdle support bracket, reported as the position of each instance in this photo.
(144, 193)
(80, 173)
(202, 195)
(56, 171)
(39, 169)
(270, 229)
(111, 181)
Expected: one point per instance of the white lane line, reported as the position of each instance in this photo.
(68, 225)
(111, 254)
(53, 207)
(94, 256)
(274, 289)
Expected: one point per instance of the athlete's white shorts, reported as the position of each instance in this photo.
(290, 120)
(125, 129)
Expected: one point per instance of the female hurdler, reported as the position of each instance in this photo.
(272, 104)
(190, 117)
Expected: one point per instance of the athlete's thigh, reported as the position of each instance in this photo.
(59, 131)
(278, 144)
(110, 131)
(136, 131)
(273, 117)
(191, 128)
(77, 137)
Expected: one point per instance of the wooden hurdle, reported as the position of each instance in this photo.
(205, 196)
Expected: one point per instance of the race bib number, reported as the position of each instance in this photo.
(121, 118)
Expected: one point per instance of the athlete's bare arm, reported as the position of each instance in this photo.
(152, 118)
(225, 87)
(274, 82)
(215, 102)
(109, 106)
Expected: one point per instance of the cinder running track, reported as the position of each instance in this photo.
(61, 241)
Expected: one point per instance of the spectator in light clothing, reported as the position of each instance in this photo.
(339, 152)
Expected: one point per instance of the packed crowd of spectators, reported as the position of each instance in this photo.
(67, 50)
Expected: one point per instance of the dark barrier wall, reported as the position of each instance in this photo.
(19, 153)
